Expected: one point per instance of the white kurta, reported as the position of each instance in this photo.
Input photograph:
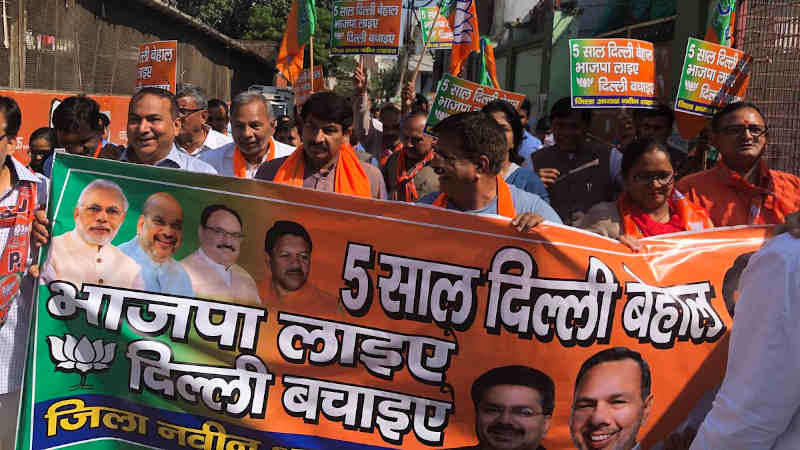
(214, 281)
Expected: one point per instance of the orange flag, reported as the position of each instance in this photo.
(292, 51)
(464, 22)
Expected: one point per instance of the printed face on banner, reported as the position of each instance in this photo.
(608, 408)
(221, 237)
(99, 215)
(160, 227)
(290, 262)
(511, 417)
(252, 127)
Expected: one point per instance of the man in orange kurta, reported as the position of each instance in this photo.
(741, 189)
(287, 248)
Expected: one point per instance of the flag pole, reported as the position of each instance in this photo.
(311, 52)
(425, 46)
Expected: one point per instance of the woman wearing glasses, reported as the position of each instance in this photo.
(649, 205)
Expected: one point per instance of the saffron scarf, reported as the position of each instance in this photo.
(684, 216)
(405, 177)
(389, 152)
(350, 177)
(240, 164)
(505, 204)
(766, 198)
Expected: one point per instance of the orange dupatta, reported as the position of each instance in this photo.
(505, 204)
(350, 177)
(240, 164)
(693, 217)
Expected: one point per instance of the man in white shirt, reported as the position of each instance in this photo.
(195, 135)
(758, 405)
(252, 126)
(85, 254)
(212, 267)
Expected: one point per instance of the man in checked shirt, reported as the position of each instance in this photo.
(21, 192)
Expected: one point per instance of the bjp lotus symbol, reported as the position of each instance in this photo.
(81, 355)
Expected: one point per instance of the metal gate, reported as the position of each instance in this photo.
(769, 30)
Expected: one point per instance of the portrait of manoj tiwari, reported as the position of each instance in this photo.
(85, 253)
(513, 408)
(612, 400)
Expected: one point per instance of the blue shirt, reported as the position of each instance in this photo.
(177, 159)
(167, 278)
(524, 202)
(527, 147)
(527, 180)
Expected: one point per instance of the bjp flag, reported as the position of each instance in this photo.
(299, 29)
(488, 65)
(464, 22)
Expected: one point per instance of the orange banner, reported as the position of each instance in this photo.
(366, 27)
(353, 323)
(37, 109)
(302, 86)
(157, 65)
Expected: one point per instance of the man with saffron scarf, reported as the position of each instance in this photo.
(469, 155)
(408, 173)
(326, 161)
(252, 127)
(741, 189)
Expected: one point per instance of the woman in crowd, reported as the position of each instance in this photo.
(522, 177)
(650, 205)
(42, 143)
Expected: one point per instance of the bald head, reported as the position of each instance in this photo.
(160, 227)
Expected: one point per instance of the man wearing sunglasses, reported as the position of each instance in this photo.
(212, 267)
(195, 135)
(741, 189)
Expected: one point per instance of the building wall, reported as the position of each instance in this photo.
(91, 46)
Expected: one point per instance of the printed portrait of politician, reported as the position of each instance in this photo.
(287, 251)
(513, 408)
(212, 267)
(612, 400)
(159, 234)
(85, 254)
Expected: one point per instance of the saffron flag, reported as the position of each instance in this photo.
(464, 22)
(299, 30)
(488, 65)
(720, 30)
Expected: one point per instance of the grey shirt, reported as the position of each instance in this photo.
(177, 159)
(524, 202)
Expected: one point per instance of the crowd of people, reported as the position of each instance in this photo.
(493, 161)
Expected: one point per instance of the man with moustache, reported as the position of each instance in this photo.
(85, 254)
(513, 408)
(612, 400)
(252, 126)
(408, 172)
(741, 189)
(326, 161)
(212, 267)
(287, 249)
(196, 135)
(159, 234)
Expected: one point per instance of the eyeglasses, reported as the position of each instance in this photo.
(221, 232)
(111, 211)
(737, 130)
(661, 179)
(187, 112)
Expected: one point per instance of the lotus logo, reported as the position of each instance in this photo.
(585, 82)
(691, 86)
(82, 356)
